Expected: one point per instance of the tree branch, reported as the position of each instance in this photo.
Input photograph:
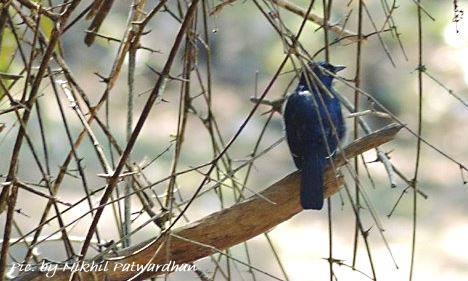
(227, 227)
(293, 8)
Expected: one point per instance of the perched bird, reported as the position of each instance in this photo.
(313, 121)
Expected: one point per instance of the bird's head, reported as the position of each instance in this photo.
(322, 70)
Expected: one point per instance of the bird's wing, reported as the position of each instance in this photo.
(292, 126)
(301, 122)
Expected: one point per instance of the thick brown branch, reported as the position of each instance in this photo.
(231, 226)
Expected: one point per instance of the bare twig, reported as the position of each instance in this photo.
(316, 19)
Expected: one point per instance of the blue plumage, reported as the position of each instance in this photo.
(310, 114)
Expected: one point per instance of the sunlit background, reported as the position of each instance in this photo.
(246, 52)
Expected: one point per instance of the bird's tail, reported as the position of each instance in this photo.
(312, 181)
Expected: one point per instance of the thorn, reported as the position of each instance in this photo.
(388, 153)
(122, 175)
(366, 233)
(146, 32)
(102, 78)
(162, 217)
(273, 15)
(106, 244)
(21, 213)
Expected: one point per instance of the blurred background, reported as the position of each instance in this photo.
(245, 53)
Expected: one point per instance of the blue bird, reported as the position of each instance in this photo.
(310, 114)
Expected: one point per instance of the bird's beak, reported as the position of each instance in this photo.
(339, 68)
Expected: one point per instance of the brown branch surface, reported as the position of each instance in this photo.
(227, 227)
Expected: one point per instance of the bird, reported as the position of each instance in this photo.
(314, 127)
